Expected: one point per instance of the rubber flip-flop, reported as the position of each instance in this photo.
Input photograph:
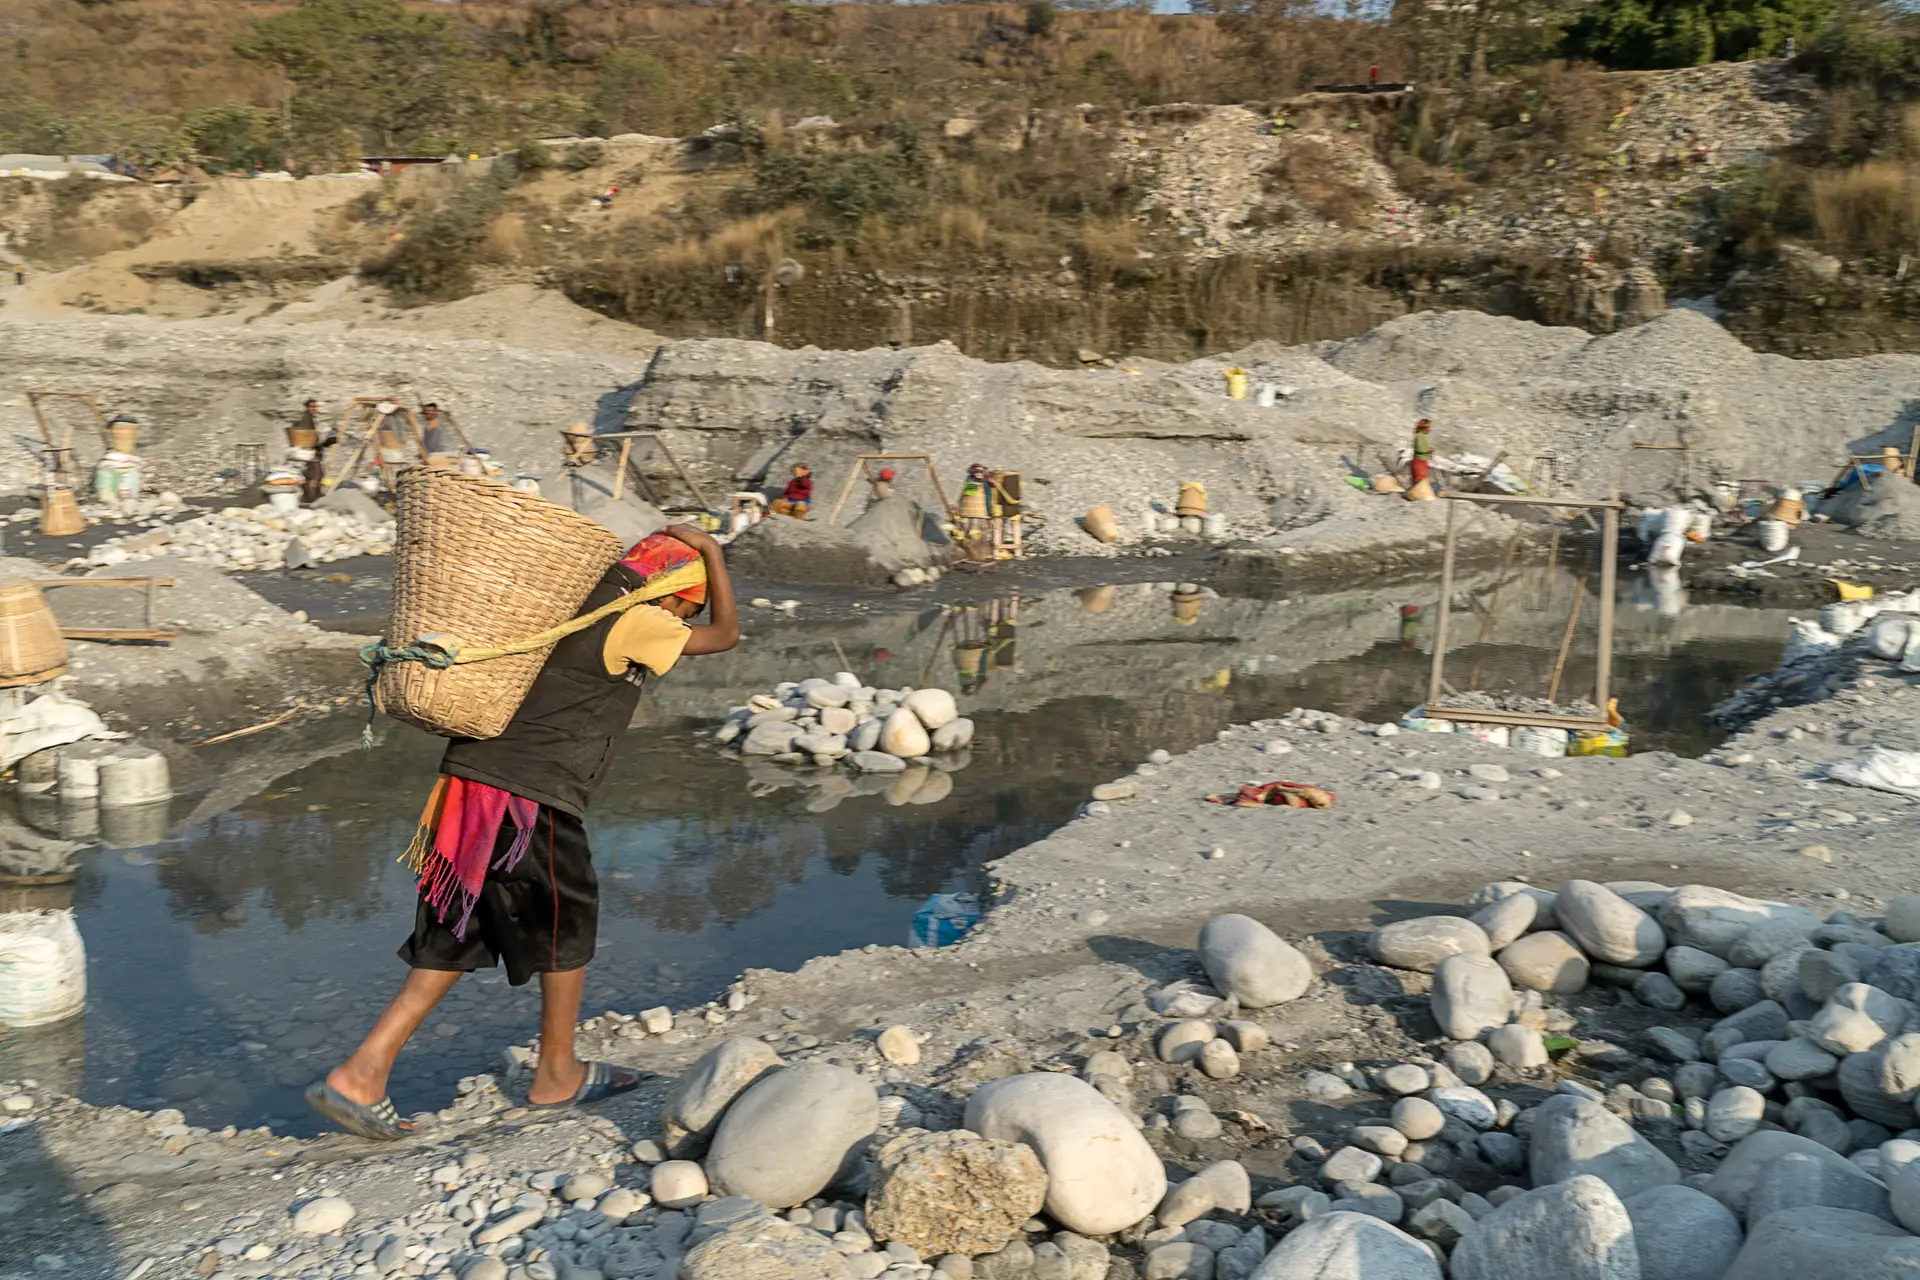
(598, 1085)
(378, 1121)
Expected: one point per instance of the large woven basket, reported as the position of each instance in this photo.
(489, 564)
(31, 646)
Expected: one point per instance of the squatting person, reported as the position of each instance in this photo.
(505, 871)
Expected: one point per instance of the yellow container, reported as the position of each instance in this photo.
(1597, 742)
(1237, 384)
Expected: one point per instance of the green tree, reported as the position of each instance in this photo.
(234, 136)
(630, 95)
(1653, 34)
(370, 70)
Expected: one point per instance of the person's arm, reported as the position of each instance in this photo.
(723, 632)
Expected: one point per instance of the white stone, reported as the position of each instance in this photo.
(1348, 1246)
(898, 1046)
(1606, 926)
(705, 1090)
(1518, 1047)
(838, 721)
(792, 1133)
(322, 1216)
(1682, 1234)
(1548, 962)
(1901, 920)
(1710, 919)
(1820, 1243)
(934, 707)
(1856, 1018)
(1218, 1061)
(1692, 969)
(1466, 1104)
(1573, 1136)
(676, 1184)
(1573, 1230)
(1734, 1113)
(903, 735)
(1422, 943)
(1507, 920)
(877, 761)
(1245, 959)
(1102, 1177)
(1418, 1119)
(1221, 1187)
(1182, 1041)
(1471, 994)
(953, 735)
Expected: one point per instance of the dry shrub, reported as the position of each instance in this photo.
(506, 238)
(1309, 174)
(1871, 208)
(1111, 249)
(962, 226)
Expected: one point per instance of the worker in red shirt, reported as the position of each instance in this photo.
(798, 495)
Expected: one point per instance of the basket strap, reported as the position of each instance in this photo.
(438, 652)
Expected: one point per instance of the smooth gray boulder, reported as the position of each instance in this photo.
(703, 1092)
(1245, 959)
(1422, 943)
(1770, 938)
(793, 1133)
(1857, 1018)
(1102, 1177)
(1739, 1173)
(1735, 989)
(1799, 1059)
(1506, 920)
(1692, 969)
(1573, 1230)
(1607, 926)
(1825, 1244)
(1903, 1193)
(1573, 1136)
(1796, 1180)
(1682, 1234)
(1547, 961)
(1862, 1080)
(1471, 994)
(1697, 915)
(1543, 900)
(1349, 1246)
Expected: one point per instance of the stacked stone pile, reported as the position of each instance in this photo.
(905, 742)
(262, 537)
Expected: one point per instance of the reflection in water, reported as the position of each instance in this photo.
(235, 957)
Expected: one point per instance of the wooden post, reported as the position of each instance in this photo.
(1609, 566)
(1446, 606)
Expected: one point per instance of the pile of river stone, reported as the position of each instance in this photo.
(838, 721)
(242, 538)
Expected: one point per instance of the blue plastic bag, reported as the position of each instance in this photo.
(944, 919)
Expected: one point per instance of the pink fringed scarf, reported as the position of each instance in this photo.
(454, 843)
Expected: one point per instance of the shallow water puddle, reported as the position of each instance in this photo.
(232, 963)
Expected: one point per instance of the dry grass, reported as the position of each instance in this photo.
(1872, 208)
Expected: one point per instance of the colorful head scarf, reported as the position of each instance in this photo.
(667, 566)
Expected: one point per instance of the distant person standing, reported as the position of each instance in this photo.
(1422, 450)
(313, 482)
(1373, 77)
(433, 435)
(19, 277)
(797, 497)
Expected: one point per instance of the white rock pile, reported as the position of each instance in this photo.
(262, 537)
(909, 740)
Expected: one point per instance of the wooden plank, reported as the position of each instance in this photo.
(1446, 607)
(141, 583)
(1609, 573)
(1529, 500)
(115, 633)
(1474, 715)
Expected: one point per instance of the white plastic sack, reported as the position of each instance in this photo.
(1773, 535)
(1699, 523)
(1496, 734)
(1667, 549)
(1540, 741)
(1882, 770)
(1806, 638)
(43, 968)
(1844, 617)
(1648, 526)
(1895, 637)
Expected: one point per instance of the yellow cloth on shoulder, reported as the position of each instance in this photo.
(645, 636)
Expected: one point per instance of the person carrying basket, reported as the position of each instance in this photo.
(506, 875)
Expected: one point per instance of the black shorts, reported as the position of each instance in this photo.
(541, 917)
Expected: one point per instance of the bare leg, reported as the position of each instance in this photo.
(363, 1077)
(559, 1074)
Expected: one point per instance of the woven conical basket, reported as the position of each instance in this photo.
(30, 640)
(60, 513)
(489, 564)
